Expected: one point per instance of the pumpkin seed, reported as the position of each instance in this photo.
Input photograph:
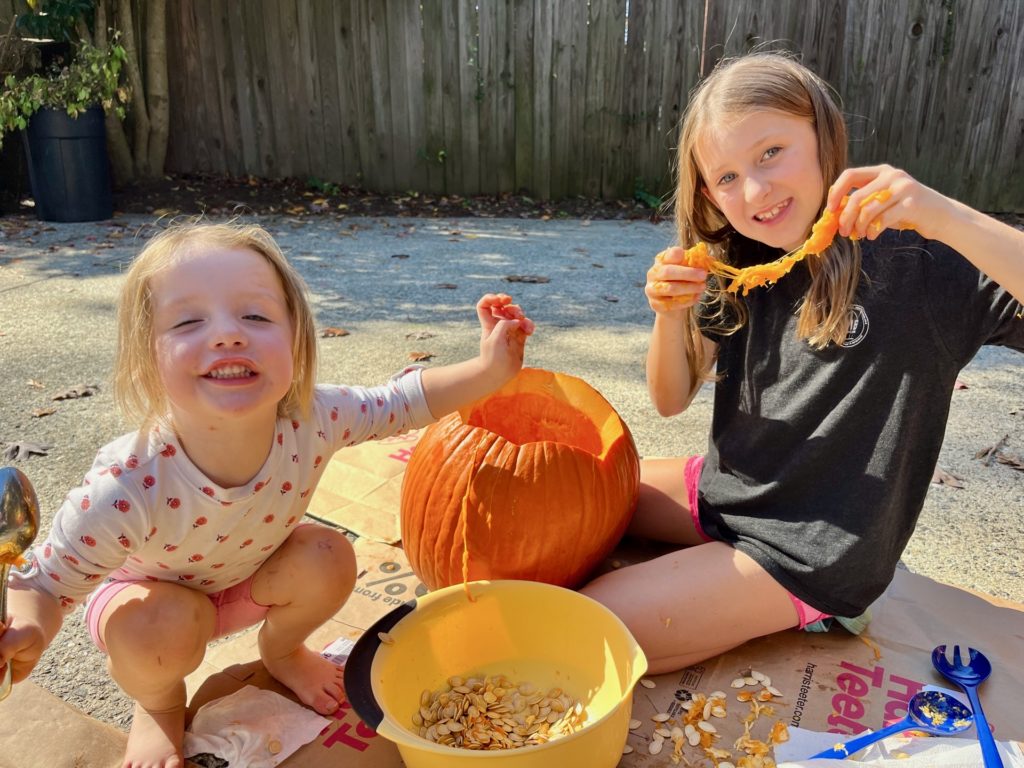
(634, 724)
(655, 746)
(646, 683)
(493, 713)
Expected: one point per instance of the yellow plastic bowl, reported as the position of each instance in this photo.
(528, 631)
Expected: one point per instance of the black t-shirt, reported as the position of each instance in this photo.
(819, 460)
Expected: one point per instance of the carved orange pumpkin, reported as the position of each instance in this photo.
(537, 481)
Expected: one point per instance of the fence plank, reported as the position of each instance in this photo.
(469, 90)
(613, 184)
(579, 47)
(310, 92)
(451, 90)
(231, 26)
(497, 175)
(403, 143)
(349, 106)
(323, 21)
(370, 71)
(524, 87)
(542, 97)
(433, 96)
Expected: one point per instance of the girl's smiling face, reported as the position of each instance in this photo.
(762, 172)
(222, 335)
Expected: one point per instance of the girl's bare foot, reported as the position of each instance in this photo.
(317, 682)
(155, 740)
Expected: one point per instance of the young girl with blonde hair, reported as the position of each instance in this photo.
(832, 386)
(190, 528)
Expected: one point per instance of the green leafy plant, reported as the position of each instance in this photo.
(55, 19)
(93, 77)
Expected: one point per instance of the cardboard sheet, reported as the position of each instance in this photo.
(829, 682)
(362, 486)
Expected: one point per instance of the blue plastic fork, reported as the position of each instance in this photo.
(969, 675)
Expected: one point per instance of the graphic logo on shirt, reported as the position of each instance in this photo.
(858, 326)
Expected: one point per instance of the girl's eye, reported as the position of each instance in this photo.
(258, 318)
(183, 323)
(727, 178)
(771, 152)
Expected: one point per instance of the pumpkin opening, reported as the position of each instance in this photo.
(526, 417)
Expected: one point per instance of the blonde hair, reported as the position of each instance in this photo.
(736, 87)
(138, 389)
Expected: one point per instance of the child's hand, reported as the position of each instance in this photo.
(909, 204)
(21, 646)
(503, 331)
(671, 285)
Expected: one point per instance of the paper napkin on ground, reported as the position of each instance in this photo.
(252, 727)
(894, 752)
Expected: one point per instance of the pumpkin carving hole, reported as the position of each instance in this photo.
(531, 418)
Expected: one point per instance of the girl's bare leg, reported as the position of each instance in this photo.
(156, 634)
(305, 582)
(697, 602)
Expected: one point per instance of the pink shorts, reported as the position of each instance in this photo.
(691, 474)
(234, 606)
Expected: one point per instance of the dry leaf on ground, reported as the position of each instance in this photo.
(942, 477)
(526, 279)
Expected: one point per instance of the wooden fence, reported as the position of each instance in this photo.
(569, 97)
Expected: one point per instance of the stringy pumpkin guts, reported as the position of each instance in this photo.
(823, 232)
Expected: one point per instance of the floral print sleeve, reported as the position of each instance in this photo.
(353, 415)
(99, 525)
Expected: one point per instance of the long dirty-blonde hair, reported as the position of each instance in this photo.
(736, 87)
(138, 389)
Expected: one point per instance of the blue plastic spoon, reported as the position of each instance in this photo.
(969, 674)
(930, 711)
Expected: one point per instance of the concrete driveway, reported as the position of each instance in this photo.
(389, 283)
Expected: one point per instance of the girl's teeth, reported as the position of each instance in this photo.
(230, 372)
(769, 215)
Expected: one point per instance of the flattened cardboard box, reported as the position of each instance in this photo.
(361, 489)
(830, 682)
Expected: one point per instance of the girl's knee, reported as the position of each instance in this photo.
(322, 556)
(161, 620)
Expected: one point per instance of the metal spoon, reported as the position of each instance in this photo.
(19, 523)
(930, 711)
(969, 675)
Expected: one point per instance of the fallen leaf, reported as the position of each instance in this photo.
(40, 412)
(329, 333)
(612, 299)
(623, 255)
(399, 255)
(446, 286)
(419, 357)
(1012, 460)
(24, 450)
(419, 335)
(526, 279)
(987, 454)
(942, 477)
(34, 384)
(82, 390)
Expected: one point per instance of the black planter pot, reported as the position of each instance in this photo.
(68, 165)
